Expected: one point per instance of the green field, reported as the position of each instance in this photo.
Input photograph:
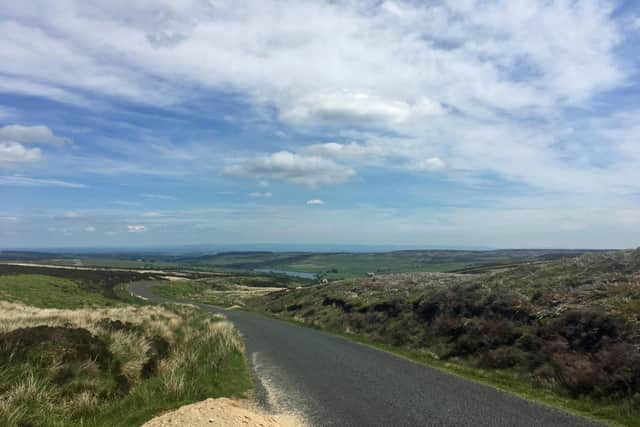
(347, 265)
(50, 292)
(333, 266)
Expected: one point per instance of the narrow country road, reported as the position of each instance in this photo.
(332, 381)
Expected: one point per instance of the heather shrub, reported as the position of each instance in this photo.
(484, 334)
(587, 330)
(501, 358)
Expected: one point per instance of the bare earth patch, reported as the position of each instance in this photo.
(223, 412)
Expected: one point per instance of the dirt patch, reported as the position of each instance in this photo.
(223, 412)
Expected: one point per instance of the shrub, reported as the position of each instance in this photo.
(586, 330)
(576, 372)
(508, 305)
(502, 357)
(484, 334)
(448, 326)
(620, 367)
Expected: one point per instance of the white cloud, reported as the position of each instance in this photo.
(136, 228)
(503, 54)
(90, 229)
(30, 135)
(152, 215)
(13, 153)
(23, 181)
(9, 218)
(71, 215)
(358, 108)
(470, 88)
(429, 165)
(295, 168)
(315, 202)
(125, 203)
(340, 152)
(259, 194)
(158, 196)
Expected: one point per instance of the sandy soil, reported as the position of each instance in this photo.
(223, 412)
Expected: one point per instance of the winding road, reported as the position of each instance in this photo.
(331, 381)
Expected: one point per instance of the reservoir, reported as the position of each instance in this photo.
(299, 274)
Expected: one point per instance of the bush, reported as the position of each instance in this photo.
(447, 326)
(501, 358)
(576, 372)
(586, 330)
(485, 334)
(620, 367)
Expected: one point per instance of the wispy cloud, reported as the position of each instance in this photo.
(136, 228)
(153, 215)
(259, 194)
(71, 215)
(23, 181)
(125, 203)
(158, 196)
(315, 202)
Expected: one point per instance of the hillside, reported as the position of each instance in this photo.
(570, 326)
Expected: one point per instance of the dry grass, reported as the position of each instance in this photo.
(30, 392)
(159, 320)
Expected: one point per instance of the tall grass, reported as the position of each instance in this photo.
(148, 358)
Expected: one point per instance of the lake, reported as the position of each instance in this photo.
(299, 274)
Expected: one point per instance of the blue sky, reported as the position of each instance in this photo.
(512, 123)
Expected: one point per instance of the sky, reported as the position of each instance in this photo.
(507, 123)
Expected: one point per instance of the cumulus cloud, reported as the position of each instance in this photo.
(14, 153)
(30, 135)
(90, 229)
(296, 168)
(136, 228)
(23, 181)
(358, 108)
(315, 202)
(259, 194)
